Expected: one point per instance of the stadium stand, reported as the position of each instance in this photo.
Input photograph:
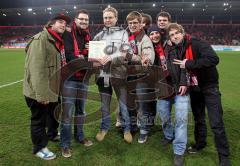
(17, 36)
(214, 20)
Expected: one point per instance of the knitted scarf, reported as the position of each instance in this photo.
(160, 53)
(77, 51)
(188, 53)
(133, 42)
(82, 33)
(191, 75)
(59, 45)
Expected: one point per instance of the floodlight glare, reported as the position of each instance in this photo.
(193, 4)
(29, 9)
(49, 8)
(225, 4)
(19, 14)
(74, 7)
(154, 5)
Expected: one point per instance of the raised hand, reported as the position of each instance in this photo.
(180, 62)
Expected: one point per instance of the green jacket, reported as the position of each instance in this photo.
(41, 64)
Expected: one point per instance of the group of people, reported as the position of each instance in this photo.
(187, 65)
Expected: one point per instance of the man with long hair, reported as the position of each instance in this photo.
(45, 55)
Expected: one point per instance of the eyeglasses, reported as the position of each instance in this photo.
(81, 19)
(133, 23)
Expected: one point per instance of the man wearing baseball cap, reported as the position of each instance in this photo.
(45, 55)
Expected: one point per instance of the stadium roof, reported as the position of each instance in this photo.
(38, 11)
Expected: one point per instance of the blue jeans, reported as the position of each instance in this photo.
(179, 134)
(106, 96)
(143, 113)
(74, 103)
(120, 89)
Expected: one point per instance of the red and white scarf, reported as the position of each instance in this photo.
(59, 45)
(133, 42)
(161, 55)
(192, 77)
(77, 51)
(87, 38)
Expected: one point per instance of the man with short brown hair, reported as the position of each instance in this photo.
(162, 20)
(200, 61)
(143, 54)
(76, 45)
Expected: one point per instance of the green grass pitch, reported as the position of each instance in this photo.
(16, 146)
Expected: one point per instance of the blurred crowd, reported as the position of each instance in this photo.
(213, 34)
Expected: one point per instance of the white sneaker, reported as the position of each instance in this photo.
(118, 124)
(45, 154)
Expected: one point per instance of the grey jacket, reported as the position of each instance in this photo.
(115, 38)
(145, 48)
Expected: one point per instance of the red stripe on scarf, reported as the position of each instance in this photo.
(87, 38)
(77, 51)
(192, 77)
(159, 50)
(59, 44)
(189, 54)
(160, 53)
(133, 42)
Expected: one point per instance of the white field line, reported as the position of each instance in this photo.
(9, 84)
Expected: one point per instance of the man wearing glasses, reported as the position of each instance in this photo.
(76, 46)
(143, 55)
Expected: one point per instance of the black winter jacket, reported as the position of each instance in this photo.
(177, 76)
(204, 63)
(69, 49)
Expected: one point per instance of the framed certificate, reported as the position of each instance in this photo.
(96, 49)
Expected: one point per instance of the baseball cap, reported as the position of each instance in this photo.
(62, 17)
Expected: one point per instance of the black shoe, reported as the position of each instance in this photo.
(134, 132)
(224, 161)
(165, 141)
(194, 148)
(55, 138)
(178, 160)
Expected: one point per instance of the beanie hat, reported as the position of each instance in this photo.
(153, 29)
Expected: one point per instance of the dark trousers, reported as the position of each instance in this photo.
(152, 112)
(211, 98)
(42, 116)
